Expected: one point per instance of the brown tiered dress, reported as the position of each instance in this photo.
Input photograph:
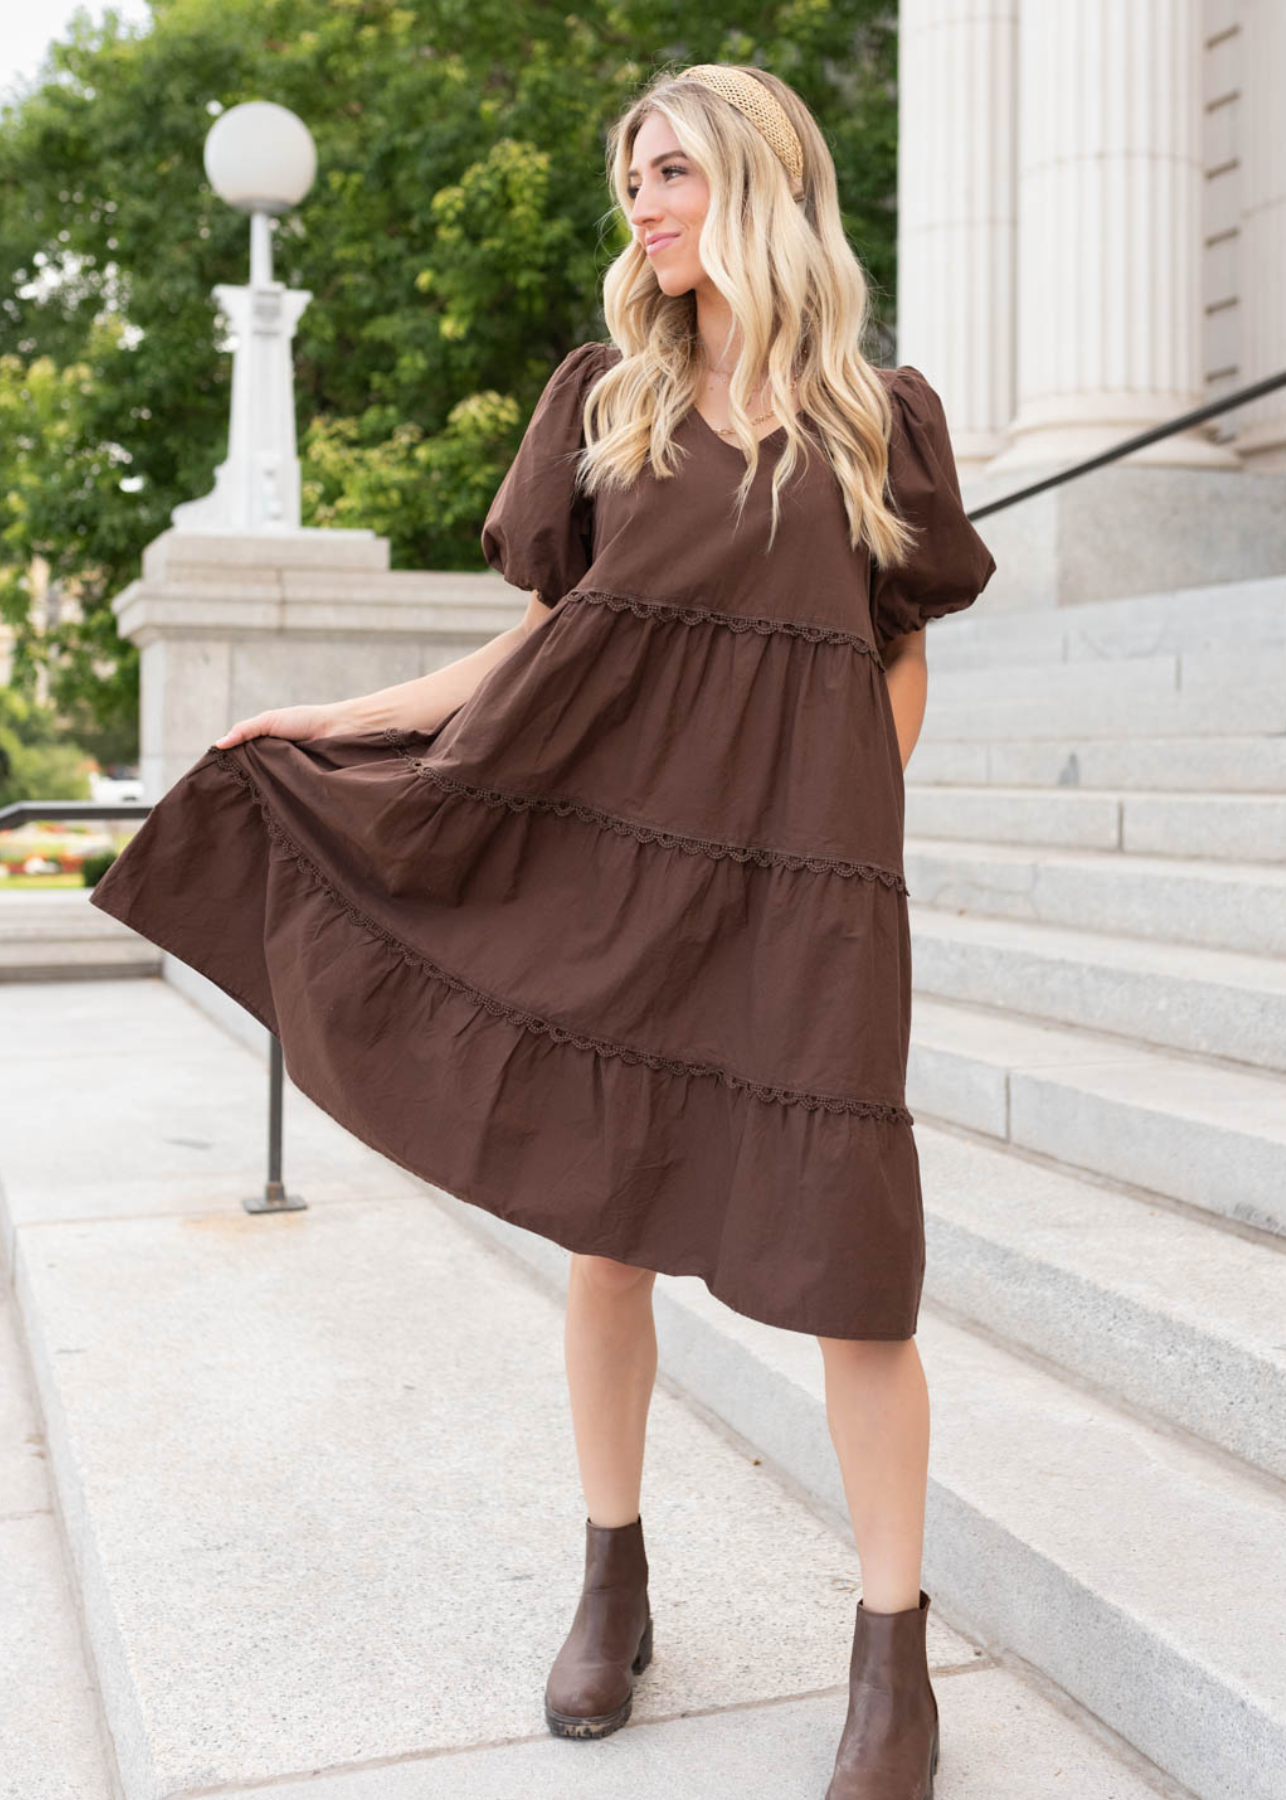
(620, 952)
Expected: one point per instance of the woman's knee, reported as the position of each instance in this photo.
(607, 1276)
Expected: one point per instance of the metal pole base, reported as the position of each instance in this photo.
(275, 1199)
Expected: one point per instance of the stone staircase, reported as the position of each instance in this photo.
(1099, 923)
(1096, 858)
(54, 934)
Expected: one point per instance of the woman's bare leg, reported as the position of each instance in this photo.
(877, 1407)
(609, 1343)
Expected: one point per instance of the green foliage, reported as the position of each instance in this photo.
(37, 762)
(453, 243)
(95, 866)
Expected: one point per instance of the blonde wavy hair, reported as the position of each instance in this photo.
(796, 290)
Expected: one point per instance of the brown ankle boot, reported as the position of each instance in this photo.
(889, 1747)
(591, 1688)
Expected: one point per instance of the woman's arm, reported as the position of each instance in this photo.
(907, 675)
(423, 703)
(417, 705)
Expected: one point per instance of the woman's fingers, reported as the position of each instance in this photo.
(286, 722)
(243, 729)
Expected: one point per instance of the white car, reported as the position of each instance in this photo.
(108, 788)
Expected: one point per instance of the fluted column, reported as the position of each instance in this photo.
(957, 109)
(1262, 425)
(1109, 231)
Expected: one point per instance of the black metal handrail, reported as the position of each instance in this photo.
(28, 812)
(1211, 409)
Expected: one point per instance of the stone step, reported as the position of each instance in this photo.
(1222, 906)
(320, 1494)
(1243, 827)
(1146, 1303)
(1220, 672)
(1210, 1135)
(1254, 708)
(1136, 1568)
(1232, 764)
(1218, 1003)
(51, 1741)
(1206, 619)
(56, 935)
(1005, 1738)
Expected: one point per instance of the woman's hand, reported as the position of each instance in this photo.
(421, 704)
(293, 722)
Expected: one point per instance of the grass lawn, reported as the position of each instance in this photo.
(41, 881)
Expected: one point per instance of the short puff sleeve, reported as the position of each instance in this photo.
(539, 532)
(949, 565)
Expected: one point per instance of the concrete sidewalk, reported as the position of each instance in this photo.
(289, 1504)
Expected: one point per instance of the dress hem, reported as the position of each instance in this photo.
(457, 1190)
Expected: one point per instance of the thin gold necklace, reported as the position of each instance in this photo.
(731, 431)
(757, 418)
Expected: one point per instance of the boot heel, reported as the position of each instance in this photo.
(644, 1656)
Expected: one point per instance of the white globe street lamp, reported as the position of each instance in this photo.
(260, 159)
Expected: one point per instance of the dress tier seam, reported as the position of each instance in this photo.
(645, 834)
(678, 610)
(889, 1110)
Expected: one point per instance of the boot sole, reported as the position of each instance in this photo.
(573, 1725)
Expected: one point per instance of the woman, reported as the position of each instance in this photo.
(603, 927)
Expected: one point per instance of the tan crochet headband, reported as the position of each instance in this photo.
(764, 110)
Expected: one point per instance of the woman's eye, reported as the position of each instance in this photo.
(666, 169)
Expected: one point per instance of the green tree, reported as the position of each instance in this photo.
(37, 762)
(61, 501)
(454, 244)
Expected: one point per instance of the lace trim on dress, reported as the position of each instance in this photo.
(533, 1022)
(700, 615)
(645, 834)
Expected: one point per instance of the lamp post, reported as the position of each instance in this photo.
(260, 158)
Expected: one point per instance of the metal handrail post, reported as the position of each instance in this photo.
(274, 1197)
(24, 812)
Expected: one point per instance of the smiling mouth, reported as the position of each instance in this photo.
(660, 242)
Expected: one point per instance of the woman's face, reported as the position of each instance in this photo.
(668, 197)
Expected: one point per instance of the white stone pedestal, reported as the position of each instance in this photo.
(1127, 529)
(231, 623)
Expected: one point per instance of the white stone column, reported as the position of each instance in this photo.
(1262, 425)
(1109, 232)
(957, 112)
